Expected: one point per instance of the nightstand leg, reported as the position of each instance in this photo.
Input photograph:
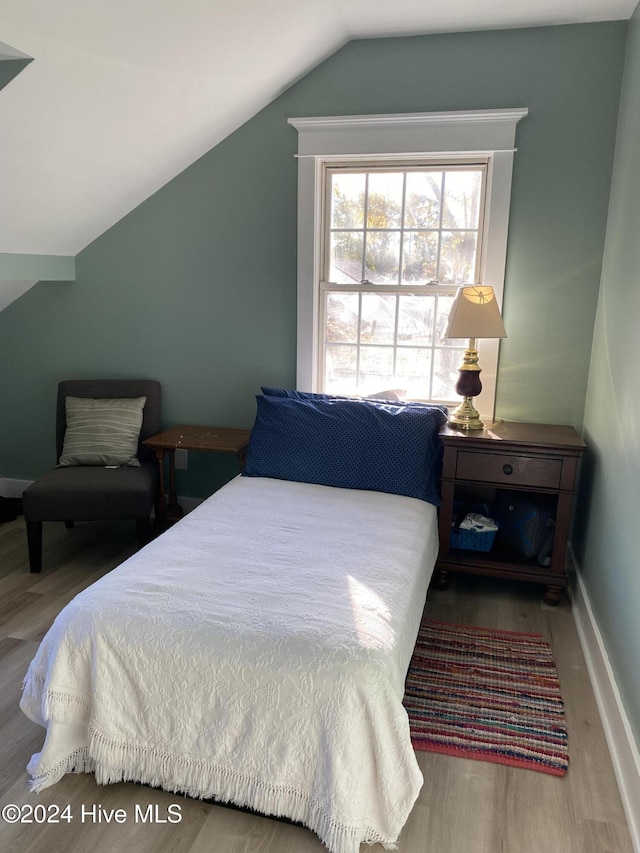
(440, 579)
(553, 595)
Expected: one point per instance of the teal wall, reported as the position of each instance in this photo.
(10, 68)
(32, 268)
(608, 544)
(196, 287)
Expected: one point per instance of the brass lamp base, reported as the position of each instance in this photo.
(468, 386)
(466, 416)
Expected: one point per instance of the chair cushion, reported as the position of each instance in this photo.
(90, 493)
(102, 431)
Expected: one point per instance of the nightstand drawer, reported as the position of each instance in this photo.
(508, 469)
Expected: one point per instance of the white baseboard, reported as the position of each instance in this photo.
(10, 488)
(620, 740)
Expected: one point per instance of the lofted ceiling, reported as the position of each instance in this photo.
(122, 95)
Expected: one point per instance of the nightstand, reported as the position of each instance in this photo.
(539, 460)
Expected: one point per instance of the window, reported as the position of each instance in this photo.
(397, 241)
(395, 212)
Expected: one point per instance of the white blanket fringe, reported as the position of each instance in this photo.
(116, 762)
(42, 706)
(78, 762)
(65, 707)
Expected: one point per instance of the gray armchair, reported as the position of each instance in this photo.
(94, 492)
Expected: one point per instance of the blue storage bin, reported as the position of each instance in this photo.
(471, 540)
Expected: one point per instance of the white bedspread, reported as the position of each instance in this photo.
(255, 653)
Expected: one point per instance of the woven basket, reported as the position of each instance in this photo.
(472, 540)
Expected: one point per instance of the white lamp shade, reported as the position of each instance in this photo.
(475, 314)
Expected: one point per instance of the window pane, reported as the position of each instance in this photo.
(376, 368)
(446, 363)
(342, 317)
(458, 257)
(383, 257)
(413, 369)
(378, 318)
(346, 257)
(340, 369)
(385, 200)
(420, 257)
(415, 320)
(442, 320)
(424, 190)
(462, 199)
(347, 200)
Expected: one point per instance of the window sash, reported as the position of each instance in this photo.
(410, 166)
(434, 351)
(433, 289)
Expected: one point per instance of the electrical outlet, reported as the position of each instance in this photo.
(181, 459)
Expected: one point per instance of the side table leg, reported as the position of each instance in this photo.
(174, 510)
(161, 507)
(241, 456)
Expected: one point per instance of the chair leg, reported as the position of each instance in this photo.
(34, 542)
(143, 531)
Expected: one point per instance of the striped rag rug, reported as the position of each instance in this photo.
(486, 694)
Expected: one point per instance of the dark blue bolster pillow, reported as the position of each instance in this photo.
(352, 444)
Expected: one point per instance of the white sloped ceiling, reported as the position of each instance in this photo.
(122, 95)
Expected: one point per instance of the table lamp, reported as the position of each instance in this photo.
(474, 314)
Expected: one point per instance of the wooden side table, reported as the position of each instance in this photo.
(534, 459)
(186, 437)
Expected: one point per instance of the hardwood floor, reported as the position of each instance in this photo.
(464, 807)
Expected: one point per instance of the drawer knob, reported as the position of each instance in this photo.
(508, 469)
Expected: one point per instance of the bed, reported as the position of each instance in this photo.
(256, 652)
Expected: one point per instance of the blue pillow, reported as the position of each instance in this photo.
(279, 392)
(311, 395)
(301, 395)
(352, 444)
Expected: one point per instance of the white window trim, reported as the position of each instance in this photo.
(323, 139)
